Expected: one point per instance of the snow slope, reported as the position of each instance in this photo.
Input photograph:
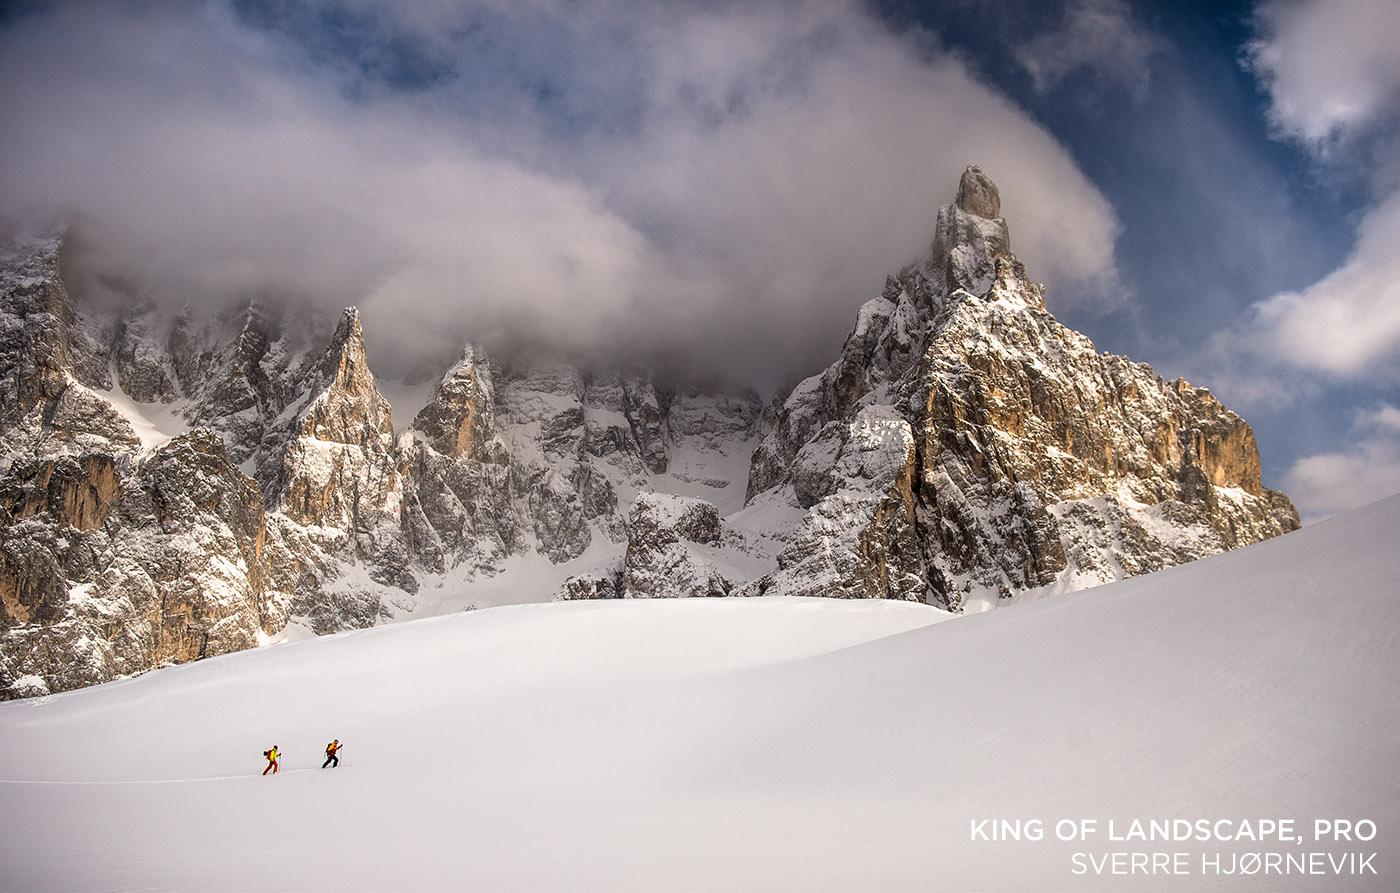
(154, 423)
(745, 744)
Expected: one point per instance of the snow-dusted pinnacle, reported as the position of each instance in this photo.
(349, 338)
(977, 194)
(969, 238)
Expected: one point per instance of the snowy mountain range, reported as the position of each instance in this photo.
(176, 487)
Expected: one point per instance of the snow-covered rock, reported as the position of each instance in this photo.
(672, 543)
(141, 358)
(859, 538)
(50, 362)
(665, 557)
(113, 558)
(106, 572)
(457, 509)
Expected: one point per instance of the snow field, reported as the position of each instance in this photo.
(741, 744)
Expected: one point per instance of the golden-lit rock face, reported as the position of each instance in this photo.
(339, 467)
(212, 589)
(1016, 409)
(1035, 460)
(105, 571)
(350, 409)
(74, 492)
(460, 418)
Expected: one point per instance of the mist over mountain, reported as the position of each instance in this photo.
(677, 201)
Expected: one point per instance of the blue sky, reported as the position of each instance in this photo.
(1225, 201)
(1208, 187)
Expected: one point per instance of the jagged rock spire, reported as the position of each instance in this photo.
(977, 194)
(350, 410)
(460, 416)
(969, 238)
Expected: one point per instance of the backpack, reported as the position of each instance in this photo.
(268, 754)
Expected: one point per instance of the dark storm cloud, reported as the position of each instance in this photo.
(728, 181)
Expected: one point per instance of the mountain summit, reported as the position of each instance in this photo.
(174, 488)
(978, 195)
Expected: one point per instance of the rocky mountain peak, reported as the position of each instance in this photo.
(1013, 454)
(977, 194)
(969, 238)
(350, 409)
(344, 361)
(459, 417)
(337, 468)
(348, 332)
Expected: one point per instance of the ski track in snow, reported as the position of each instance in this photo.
(134, 781)
(150, 780)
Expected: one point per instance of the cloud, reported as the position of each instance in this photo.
(1333, 80)
(1330, 68)
(1330, 483)
(1348, 324)
(1095, 35)
(720, 182)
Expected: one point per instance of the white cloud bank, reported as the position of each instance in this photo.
(648, 177)
(1330, 66)
(1346, 325)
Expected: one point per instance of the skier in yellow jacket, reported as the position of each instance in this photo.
(272, 756)
(331, 750)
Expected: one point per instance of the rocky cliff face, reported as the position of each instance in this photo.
(175, 486)
(50, 362)
(111, 565)
(112, 561)
(456, 469)
(285, 491)
(1011, 454)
